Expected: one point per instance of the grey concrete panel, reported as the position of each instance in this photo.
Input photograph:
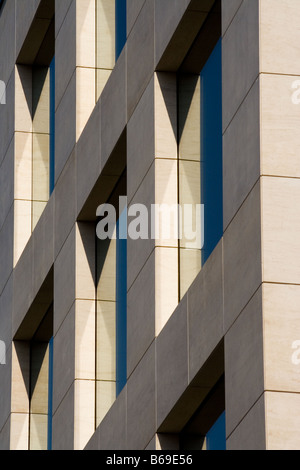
(139, 250)
(64, 203)
(63, 423)
(65, 51)
(141, 402)
(88, 158)
(242, 257)
(8, 39)
(43, 242)
(64, 280)
(63, 359)
(65, 127)
(240, 52)
(250, 432)
(141, 314)
(229, 10)
(140, 141)
(133, 9)
(7, 117)
(172, 361)
(205, 311)
(241, 154)
(7, 183)
(61, 9)
(113, 108)
(140, 55)
(244, 362)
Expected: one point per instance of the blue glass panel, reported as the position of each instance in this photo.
(121, 305)
(50, 395)
(216, 436)
(121, 25)
(52, 127)
(211, 150)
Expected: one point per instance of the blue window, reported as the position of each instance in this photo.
(121, 25)
(216, 436)
(111, 302)
(211, 150)
(200, 155)
(121, 305)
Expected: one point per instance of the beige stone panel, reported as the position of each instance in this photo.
(39, 371)
(105, 24)
(282, 421)
(106, 395)
(84, 412)
(280, 229)
(85, 339)
(37, 210)
(85, 32)
(281, 328)
(85, 261)
(189, 109)
(40, 167)
(166, 212)
(19, 427)
(106, 270)
(23, 98)
(23, 165)
(38, 432)
(190, 195)
(85, 97)
(279, 36)
(166, 285)
(189, 182)
(20, 377)
(190, 265)
(102, 76)
(40, 99)
(280, 122)
(106, 341)
(22, 227)
(165, 115)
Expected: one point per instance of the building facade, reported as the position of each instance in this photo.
(156, 339)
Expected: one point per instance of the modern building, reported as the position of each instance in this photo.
(135, 341)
